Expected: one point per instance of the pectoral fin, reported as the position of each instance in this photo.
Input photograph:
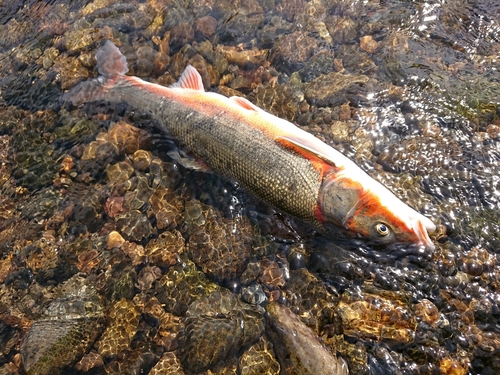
(187, 161)
(244, 103)
(307, 148)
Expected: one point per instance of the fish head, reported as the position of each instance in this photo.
(372, 212)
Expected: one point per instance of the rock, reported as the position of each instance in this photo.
(217, 327)
(299, 346)
(291, 51)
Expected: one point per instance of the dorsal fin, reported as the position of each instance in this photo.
(190, 79)
(242, 102)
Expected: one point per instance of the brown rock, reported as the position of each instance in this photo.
(181, 35)
(205, 27)
(368, 44)
(291, 51)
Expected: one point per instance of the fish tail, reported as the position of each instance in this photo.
(110, 61)
(111, 65)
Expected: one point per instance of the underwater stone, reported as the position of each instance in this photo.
(124, 317)
(217, 327)
(165, 250)
(221, 247)
(259, 359)
(168, 364)
(333, 89)
(181, 285)
(205, 27)
(134, 225)
(291, 51)
(68, 328)
(297, 343)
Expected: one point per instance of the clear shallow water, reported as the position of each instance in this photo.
(408, 90)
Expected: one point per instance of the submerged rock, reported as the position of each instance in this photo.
(66, 331)
(334, 89)
(299, 347)
(291, 52)
(217, 328)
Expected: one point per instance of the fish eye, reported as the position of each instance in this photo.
(382, 229)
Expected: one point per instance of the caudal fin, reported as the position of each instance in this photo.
(111, 64)
(110, 61)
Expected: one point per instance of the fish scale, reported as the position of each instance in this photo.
(232, 149)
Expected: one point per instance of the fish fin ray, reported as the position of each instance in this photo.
(110, 61)
(189, 79)
(86, 91)
(245, 103)
(188, 161)
(305, 148)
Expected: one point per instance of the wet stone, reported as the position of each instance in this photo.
(165, 250)
(221, 247)
(342, 29)
(281, 100)
(253, 294)
(67, 329)
(119, 172)
(290, 52)
(167, 208)
(124, 317)
(71, 71)
(427, 312)
(147, 276)
(89, 361)
(127, 138)
(245, 59)
(377, 318)
(368, 44)
(169, 325)
(272, 274)
(205, 27)
(141, 159)
(298, 346)
(259, 359)
(123, 284)
(355, 60)
(334, 89)
(181, 34)
(251, 273)
(134, 225)
(320, 63)
(217, 327)
(217, 59)
(311, 297)
(181, 285)
(168, 364)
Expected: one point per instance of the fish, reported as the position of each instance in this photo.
(270, 157)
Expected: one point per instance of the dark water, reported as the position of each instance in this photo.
(115, 259)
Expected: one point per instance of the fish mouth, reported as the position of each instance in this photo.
(421, 230)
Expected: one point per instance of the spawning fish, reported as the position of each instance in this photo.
(270, 157)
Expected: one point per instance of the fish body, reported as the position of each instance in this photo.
(270, 157)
